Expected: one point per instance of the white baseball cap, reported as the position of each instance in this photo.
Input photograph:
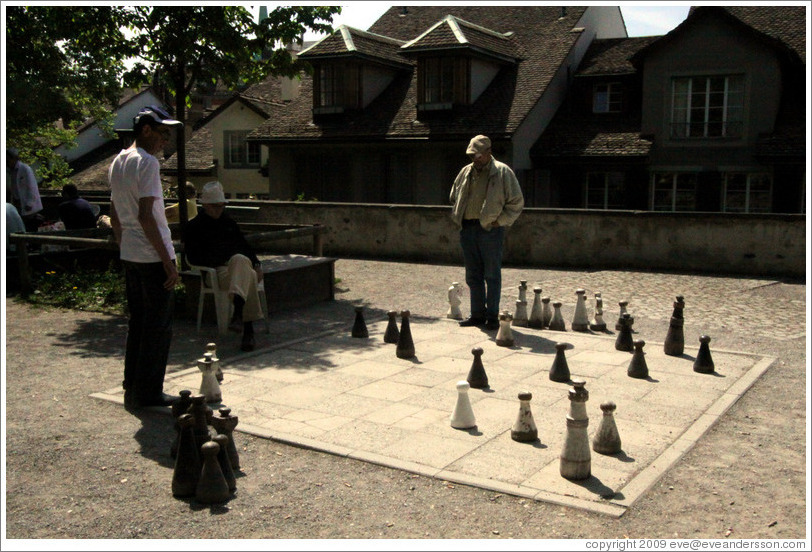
(156, 114)
(212, 193)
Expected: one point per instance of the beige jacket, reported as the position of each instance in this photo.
(503, 200)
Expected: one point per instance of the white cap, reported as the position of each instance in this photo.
(157, 114)
(212, 193)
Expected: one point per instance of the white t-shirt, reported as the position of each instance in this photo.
(134, 174)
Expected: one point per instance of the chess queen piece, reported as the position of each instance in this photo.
(179, 407)
(225, 461)
(607, 439)
(477, 378)
(225, 424)
(520, 317)
(637, 367)
(463, 415)
(504, 337)
(405, 347)
(557, 321)
(576, 460)
(454, 301)
(524, 429)
(704, 363)
(212, 487)
(623, 305)
(208, 384)
(392, 333)
(580, 320)
(624, 340)
(535, 320)
(598, 325)
(674, 344)
(560, 371)
(546, 312)
(218, 371)
(187, 462)
(359, 328)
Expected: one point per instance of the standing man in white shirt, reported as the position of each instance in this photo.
(140, 227)
(23, 190)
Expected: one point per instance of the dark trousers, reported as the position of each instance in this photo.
(150, 329)
(482, 252)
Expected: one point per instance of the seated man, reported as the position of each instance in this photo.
(213, 239)
(173, 211)
(75, 211)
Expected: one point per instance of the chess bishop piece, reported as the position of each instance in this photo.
(463, 415)
(624, 340)
(535, 320)
(454, 301)
(560, 371)
(504, 337)
(208, 384)
(607, 439)
(477, 378)
(576, 460)
(218, 371)
(557, 321)
(580, 320)
(405, 347)
(598, 325)
(187, 462)
(212, 487)
(704, 363)
(674, 344)
(392, 333)
(638, 367)
(359, 328)
(524, 429)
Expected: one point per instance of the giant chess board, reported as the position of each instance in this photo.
(354, 397)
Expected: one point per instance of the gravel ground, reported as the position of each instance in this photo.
(80, 468)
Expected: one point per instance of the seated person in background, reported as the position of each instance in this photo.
(213, 239)
(14, 224)
(173, 211)
(75, 212)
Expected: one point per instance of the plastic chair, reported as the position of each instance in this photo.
(210, 285)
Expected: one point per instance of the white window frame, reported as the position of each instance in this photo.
(751, 180)
(679, 188)
(602, 102)
(606, 176)
(248, 154)
(691, 107)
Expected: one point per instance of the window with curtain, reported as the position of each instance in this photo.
(239, 153)
(673, 191)
(707, 107)
(747, 193)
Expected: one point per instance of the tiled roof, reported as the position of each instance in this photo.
(453, 32)
(545, 35)
(610, 56)
(572, 136)
(94, 178)
(347, 41)
(199, 153)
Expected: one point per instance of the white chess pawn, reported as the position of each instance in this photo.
(524, 429)
(557, 320)
(454, 301)
(535, 320)
(580, 320)
(520, 318)
(463, 415)
(504, 337)
(607, 439)
(208, 384)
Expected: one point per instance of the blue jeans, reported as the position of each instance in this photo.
(150, 329)
(482, 252)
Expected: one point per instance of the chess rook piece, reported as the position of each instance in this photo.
(623, 305)
(392, 333)
(524, 429)
(559, 371)
(557, 321)
(405, 347)
(203, 415)
(477, 378)
(225, 424)
(218, 371)
(580, 320)
(576, 460)
(208, 383)
(520, 318)
(454, 301)
(607, 439)
(624, 340)
(504, 337)
(463, 415)
(535, 320)
(212, 487)
(359, 328)
(598, 325)
(674, 344)
(179, 407)
(225, 462)
(637, 367)
(546, 312)
(187, 462)
(704, 363)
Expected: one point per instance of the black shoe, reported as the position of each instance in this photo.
(491, 324)
(162, 400)
(247, 342)
(472, 321)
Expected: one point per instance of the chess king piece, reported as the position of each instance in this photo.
(557, 321)
(405, 347)
(208, 384)
(504, 337)
(535, 320)
(623, 305)
(674, 344)
(392, 333)
(218, 371)
(576, 460)
(477, 378)
(624, 340)
(524, 429)
(212, 487)
(179, 407)
(637, 367)
(463, 415)
(598, 325)
(546, 312)
(580, 320)
(559, 371)
(225, 424)
(704, 363)
(187, 462)
(607, 439)
(359, 328)
(520, 318)
(225, 462)
(454, 301)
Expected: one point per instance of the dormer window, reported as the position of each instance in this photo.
(337, 87)
(442, 82)
(607, 98)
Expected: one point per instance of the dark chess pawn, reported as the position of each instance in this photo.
(638, 367)
(187, 462)
(225, 463)
(405, 347)
(212, 487)
(392, 333)
(477, 378)
(359, 328)
(560, 371)
(704, 363)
